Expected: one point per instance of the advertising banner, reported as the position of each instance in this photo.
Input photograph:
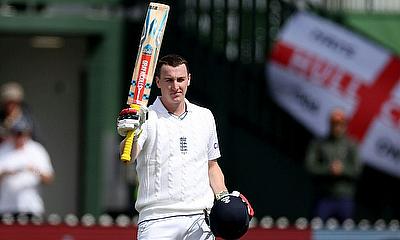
(317, 65)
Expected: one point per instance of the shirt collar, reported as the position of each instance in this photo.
(161, 108)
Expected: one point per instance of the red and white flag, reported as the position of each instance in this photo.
(316, 65)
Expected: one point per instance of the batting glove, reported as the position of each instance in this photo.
(130, 119)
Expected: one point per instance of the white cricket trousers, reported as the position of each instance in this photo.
(175, 228)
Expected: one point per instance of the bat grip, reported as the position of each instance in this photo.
(126, 154)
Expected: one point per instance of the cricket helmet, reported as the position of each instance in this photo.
(229, 217)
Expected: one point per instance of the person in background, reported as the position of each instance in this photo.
(24, 166)
(13, 107)
(334, 166)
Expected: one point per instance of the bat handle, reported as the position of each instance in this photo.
(126, 154)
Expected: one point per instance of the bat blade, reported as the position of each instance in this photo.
(149, 48)
(146, 61)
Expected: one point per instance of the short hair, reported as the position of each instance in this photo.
(338, 116)
(172, 60)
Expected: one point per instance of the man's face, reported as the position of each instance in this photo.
(338, 129)
(173, 83)
(11, 106)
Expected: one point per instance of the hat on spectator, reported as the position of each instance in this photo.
(11, 91)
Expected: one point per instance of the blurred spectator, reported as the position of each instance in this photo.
(24, 166)
(334, 165)
(12, 107)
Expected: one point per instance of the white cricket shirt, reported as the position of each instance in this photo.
(173, 163)
(19, 192)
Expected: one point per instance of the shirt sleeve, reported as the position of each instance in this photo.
(213, 145)
(42, 161)
(145, 129)
(143, 136)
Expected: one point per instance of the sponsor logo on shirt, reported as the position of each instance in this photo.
(216, 145)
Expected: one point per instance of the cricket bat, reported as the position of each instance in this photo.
(146, 61)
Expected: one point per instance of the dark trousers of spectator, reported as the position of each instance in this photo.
(339, 208)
